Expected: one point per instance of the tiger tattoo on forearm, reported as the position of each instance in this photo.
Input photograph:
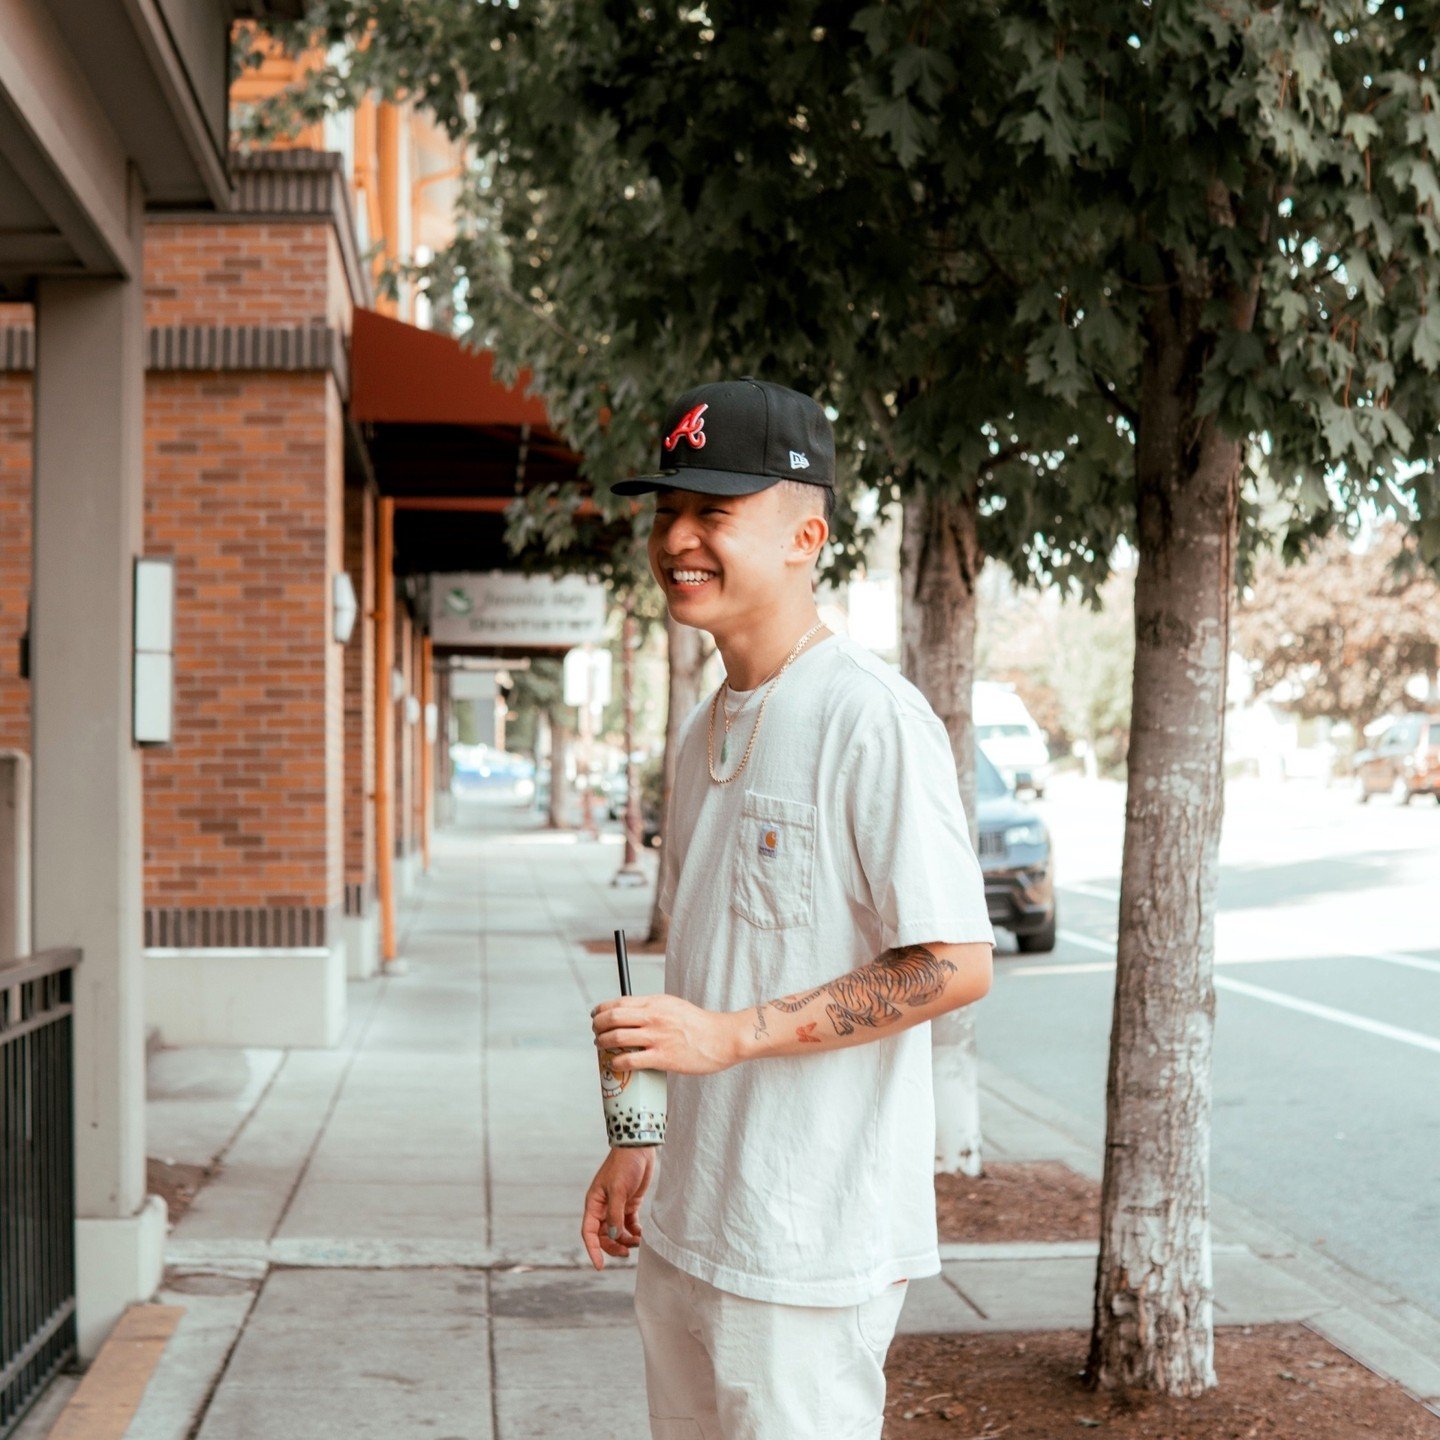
(872, 995)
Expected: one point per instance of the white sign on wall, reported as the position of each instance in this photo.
(586, 677)
(499, 608)
(874, 609)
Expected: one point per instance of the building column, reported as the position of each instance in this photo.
(87, 817)
(444, 766)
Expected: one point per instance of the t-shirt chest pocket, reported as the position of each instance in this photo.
(773, 875)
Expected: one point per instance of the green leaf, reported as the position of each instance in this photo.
(1291, 308)
(1361, 128)
(879, 24)
(1425, 344)
(899, 122)
(927, 72)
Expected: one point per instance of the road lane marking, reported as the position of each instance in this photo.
(1074, 937)
(1391, 957)
(1328, 1012)
(1258, 992)
(1098, 892)
(1095, 967)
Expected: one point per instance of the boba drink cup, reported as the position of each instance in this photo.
(634, 1100)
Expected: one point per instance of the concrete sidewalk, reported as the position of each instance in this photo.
(391, 1246)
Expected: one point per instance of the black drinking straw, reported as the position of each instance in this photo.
(622, 959)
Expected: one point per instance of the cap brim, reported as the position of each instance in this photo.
(698, 480)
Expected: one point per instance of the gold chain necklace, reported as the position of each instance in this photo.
(772, 682)
(775, 674)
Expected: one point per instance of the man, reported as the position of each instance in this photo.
(825, 903)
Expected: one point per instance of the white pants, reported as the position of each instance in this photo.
(721, 1367)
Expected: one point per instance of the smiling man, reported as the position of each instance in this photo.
(825, 903)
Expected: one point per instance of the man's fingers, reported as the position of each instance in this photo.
(595, 1233)
(606, 1024)
(590, 1236)
(622, 1039)
(615, 1227)
(610, 1007)
(649, 1058)
(629, 1010)
(632, 1217)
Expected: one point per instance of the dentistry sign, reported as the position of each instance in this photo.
(500, 608)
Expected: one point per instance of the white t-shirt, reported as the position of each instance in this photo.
(809, 1179)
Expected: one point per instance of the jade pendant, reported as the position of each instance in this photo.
(724, 749)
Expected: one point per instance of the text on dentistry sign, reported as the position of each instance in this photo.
(498, 608)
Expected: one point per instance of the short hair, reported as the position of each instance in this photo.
(802, 492)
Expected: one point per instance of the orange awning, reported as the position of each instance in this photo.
(400, 374)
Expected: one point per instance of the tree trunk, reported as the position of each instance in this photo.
(630, 816)
(1153, 1321)
(940, 563)
(559, 782)
(540, 739)
(687, 654)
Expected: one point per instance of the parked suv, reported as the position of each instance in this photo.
(1016, 861)
(1405, 761)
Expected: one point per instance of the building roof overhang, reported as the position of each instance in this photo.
(453, 446)
(89, 88)
(408, 376)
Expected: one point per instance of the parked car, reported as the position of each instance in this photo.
(482, 767)
(1016, 860)
(1403, 762)
(616, 793)
(1009, 736)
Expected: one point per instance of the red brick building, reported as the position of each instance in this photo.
(261, 844)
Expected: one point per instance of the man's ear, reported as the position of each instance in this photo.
(809, 538)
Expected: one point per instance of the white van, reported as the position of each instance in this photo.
(1012, 741)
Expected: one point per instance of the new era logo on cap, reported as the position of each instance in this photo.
(735, 437)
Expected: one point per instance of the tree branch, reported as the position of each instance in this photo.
(1110, 393)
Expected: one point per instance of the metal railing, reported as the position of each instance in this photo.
(37, 1177)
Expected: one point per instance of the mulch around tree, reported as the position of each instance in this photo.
(178, 1185)
(1277, 1382)
(1040, 1200)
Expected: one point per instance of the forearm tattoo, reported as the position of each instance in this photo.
(762, 1030)
(872, 995)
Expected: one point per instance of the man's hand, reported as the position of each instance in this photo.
(667, 1033)
(612, 1203)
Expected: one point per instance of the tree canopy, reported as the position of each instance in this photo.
(662, 195)
(1271, 170)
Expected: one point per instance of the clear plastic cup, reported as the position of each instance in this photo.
(634, 1102)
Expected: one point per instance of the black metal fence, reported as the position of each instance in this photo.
(37, 1177)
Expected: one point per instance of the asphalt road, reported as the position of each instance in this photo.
(1327, 1043)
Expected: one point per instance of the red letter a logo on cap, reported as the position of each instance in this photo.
(691, 428)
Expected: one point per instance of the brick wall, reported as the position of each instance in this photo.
(254, 273)
(242, 490)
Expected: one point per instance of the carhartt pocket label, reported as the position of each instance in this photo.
(770, 843)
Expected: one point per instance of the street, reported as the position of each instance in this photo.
(1327, 1049)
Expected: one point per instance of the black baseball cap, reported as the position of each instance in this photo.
(735, 437)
